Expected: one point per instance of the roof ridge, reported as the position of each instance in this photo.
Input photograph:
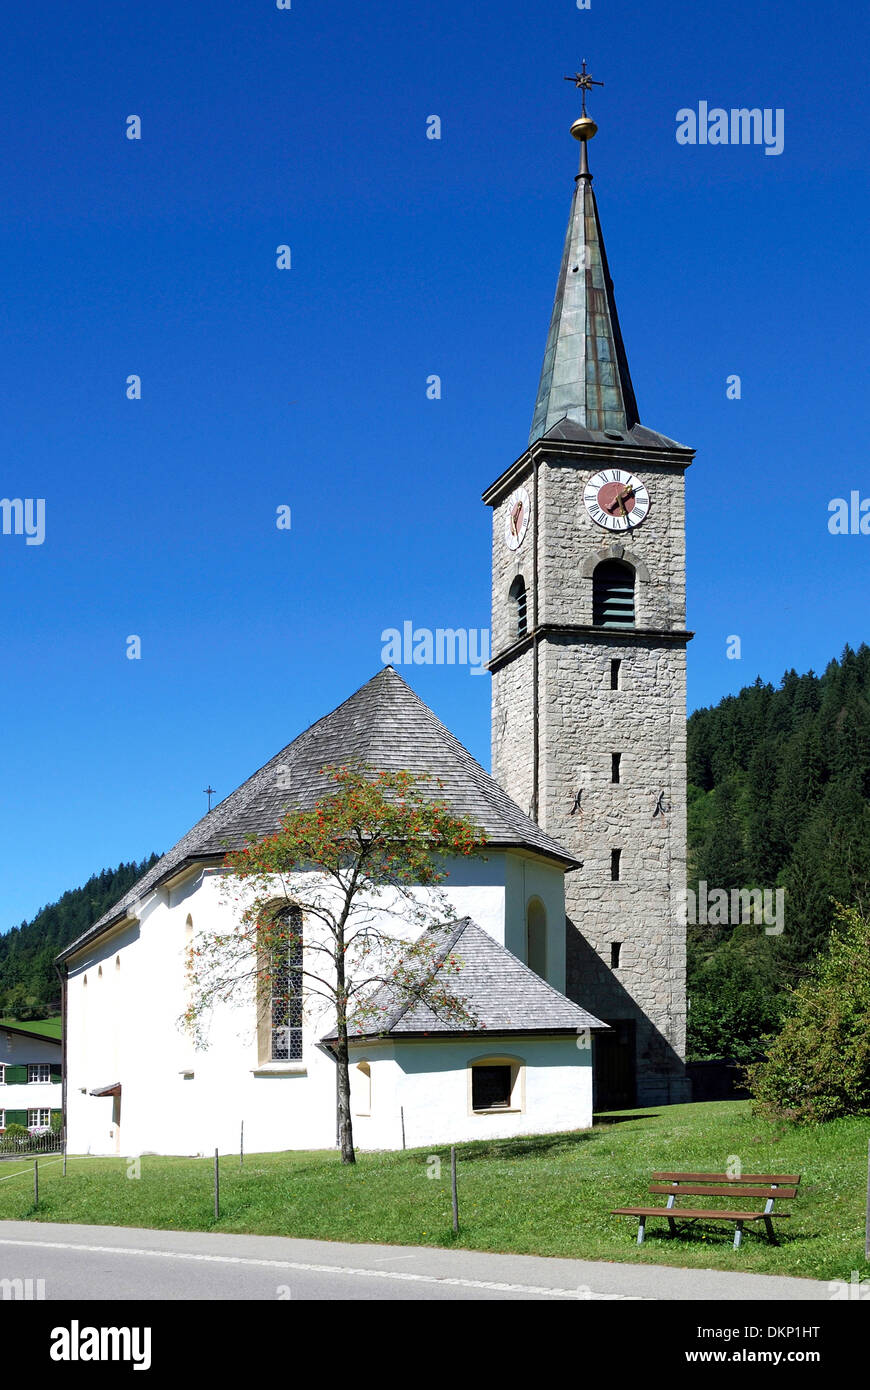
(461, 924)
(505, 993)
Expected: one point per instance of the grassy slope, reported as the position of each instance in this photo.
(49, 1026)
(548, 1195)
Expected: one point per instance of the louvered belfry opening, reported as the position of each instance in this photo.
(518, 593)
(613, 595)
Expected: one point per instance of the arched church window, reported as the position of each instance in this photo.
(285, 986)
(517, 592)
(536, 937)
(613, 594)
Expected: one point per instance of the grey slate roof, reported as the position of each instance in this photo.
(504, 995)
(384, 724)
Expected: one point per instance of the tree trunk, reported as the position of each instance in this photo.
(345, 1124)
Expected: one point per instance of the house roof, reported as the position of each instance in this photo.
(503, 994)
(29, 1033)
(384, 725)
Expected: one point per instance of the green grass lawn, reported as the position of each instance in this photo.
(548, 1195)
(49, 1027)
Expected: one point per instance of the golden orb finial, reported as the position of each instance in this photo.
(584, 128)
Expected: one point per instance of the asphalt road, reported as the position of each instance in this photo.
(111, 1262)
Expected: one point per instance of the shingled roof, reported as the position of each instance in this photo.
(384, 725)
(502, 993)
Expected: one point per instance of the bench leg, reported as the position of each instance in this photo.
(641, 1227)
(738, 1235)
(771, 1233)
(672, 1226)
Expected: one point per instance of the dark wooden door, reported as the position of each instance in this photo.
(614, 1068)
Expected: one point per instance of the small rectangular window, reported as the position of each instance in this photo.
(615, 759)
(2, 1073)
(614, 674)
(2, 1119)
(38, 1119)
(490, 1088)
(38, 1071)
(615, 856)
(615, 948)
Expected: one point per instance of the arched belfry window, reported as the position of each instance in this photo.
(613, 594)
(517, 594)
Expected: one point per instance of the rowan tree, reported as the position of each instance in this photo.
(329, 911)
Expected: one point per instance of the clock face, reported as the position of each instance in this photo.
(616, 499)
(516, 522)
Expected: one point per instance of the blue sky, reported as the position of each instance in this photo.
(307, 387)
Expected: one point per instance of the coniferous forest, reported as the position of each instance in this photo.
(29, 986)
(779, 781)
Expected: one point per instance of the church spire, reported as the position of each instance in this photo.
(585, 373)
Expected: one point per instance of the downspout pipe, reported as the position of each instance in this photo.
(62, 976)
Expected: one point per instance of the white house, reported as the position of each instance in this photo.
(135, 1083)
(30, 1078)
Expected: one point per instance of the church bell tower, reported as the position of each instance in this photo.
(589, 666)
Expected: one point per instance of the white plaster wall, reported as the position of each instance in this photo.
(123, 1027)
(428, 1080)
(529, 878)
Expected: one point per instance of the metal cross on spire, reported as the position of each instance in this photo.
(584, 82)
(209, 792)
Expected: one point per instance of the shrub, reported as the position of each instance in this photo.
(818, 1067)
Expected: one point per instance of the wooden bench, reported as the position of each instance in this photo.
(755, 1185)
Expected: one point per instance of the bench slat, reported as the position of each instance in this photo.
(790, 1179)
(689, 1190)
(687, 1213)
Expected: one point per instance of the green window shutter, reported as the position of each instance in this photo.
(55, 1071)
(16, 1117)
(16, 1075)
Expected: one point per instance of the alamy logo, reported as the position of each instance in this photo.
(22, 1290)
(742, 125)
(718, 908)
(23, 517)
(856, 1288)
(446, 646)
(849, 517)
(77, 1343)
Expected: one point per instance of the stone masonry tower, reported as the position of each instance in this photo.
(589, 667)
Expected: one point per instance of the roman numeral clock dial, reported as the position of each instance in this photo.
(616, 500)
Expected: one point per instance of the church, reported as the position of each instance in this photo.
(570, 926)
